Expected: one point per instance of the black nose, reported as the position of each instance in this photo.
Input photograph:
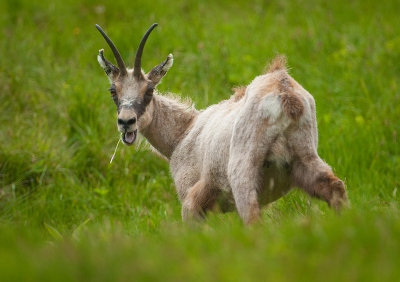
(126, 122)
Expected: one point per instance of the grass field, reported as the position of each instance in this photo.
(121, 221)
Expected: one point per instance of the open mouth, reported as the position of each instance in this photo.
(129, 137)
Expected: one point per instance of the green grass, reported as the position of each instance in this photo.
(58, 133)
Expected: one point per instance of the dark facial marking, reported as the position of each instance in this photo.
(148, 95)
(141, 105)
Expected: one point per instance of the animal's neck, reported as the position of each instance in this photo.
(170, 121)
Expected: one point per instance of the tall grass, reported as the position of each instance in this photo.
(58, 133)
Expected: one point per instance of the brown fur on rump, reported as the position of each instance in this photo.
(292, 105)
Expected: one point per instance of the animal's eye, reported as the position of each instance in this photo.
(114, 95)
(148, 95)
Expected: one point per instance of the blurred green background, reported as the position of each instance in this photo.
(121, 221)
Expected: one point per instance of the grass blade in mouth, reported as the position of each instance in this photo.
(115, 151)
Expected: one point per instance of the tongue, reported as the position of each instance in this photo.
(130, 137)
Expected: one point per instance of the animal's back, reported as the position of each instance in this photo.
(247, 141)
(207, 145)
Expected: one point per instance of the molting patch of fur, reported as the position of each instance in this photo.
(239, 93)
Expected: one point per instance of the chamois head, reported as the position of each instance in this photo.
(132, 90)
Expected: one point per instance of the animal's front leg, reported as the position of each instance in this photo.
(198, 200)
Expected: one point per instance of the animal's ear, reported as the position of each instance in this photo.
(111, 70)
(158, 72)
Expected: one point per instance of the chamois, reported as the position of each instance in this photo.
(249, 150)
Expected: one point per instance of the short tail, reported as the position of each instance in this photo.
(291, 102)
(277, 64)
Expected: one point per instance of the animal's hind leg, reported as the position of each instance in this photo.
(247, 154)
(317, 179)
(251, 139)
(198, 200)
(244, 179)
(311, 173)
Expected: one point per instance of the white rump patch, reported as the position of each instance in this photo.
(271, 107)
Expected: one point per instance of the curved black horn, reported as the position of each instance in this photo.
(117, 55)
(137, 69)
